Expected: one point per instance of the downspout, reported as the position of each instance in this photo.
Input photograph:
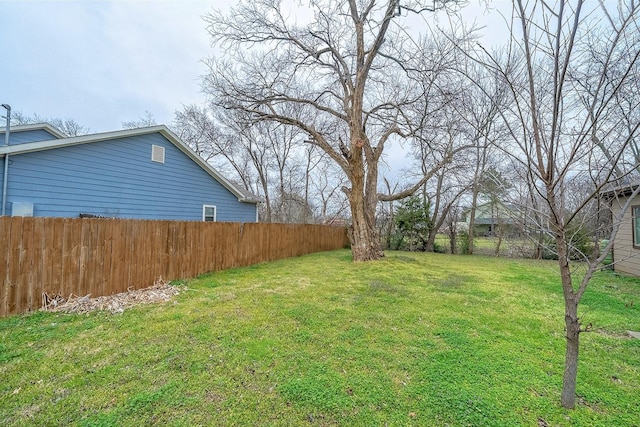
(6, 160)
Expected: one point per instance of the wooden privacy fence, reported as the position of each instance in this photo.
(107, 256)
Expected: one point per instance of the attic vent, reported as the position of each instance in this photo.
(157, 154)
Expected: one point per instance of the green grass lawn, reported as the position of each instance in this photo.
(415, 339)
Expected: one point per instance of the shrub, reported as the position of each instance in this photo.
(580, 246)
(413, 224)
(463, 243)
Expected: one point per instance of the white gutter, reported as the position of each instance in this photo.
(6, 160)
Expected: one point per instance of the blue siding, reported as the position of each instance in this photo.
(117, 178)
(21, 137)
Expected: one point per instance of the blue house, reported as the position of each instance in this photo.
(145, 173)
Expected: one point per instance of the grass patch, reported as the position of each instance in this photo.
(414, 339)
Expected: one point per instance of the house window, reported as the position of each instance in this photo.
(635, 212)
(208, 213)
(157, 154)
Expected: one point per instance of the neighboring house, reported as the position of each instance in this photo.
(626, 246)
(491, 219)
(145, 173)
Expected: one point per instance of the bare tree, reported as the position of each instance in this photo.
(230, 148)
(623, 113)
(143, 121)
(196, 127)
(267, 158)
(443, 191)
(340, 79)
(386, 216)
(451, 223)
(553, 121)
(324, 182)
(478, 112)
(230, 145)
(67, 126)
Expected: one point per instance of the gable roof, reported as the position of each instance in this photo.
(62, 141)
(38, 126)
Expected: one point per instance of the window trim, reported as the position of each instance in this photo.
(155, 149)
(634, 218)
(204, 213)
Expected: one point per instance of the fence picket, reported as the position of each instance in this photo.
(106, 256)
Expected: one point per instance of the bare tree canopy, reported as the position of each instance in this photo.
(143, 121)
(350, 79)
(67, 126)
(297, 181)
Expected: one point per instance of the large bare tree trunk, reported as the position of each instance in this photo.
(363, 199)
(365, 241)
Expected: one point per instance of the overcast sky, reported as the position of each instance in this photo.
(105, 62)
(102, 63)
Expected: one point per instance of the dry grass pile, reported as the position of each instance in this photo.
(161, 291)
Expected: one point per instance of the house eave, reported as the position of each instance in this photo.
(251, 200)
(620, 191)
